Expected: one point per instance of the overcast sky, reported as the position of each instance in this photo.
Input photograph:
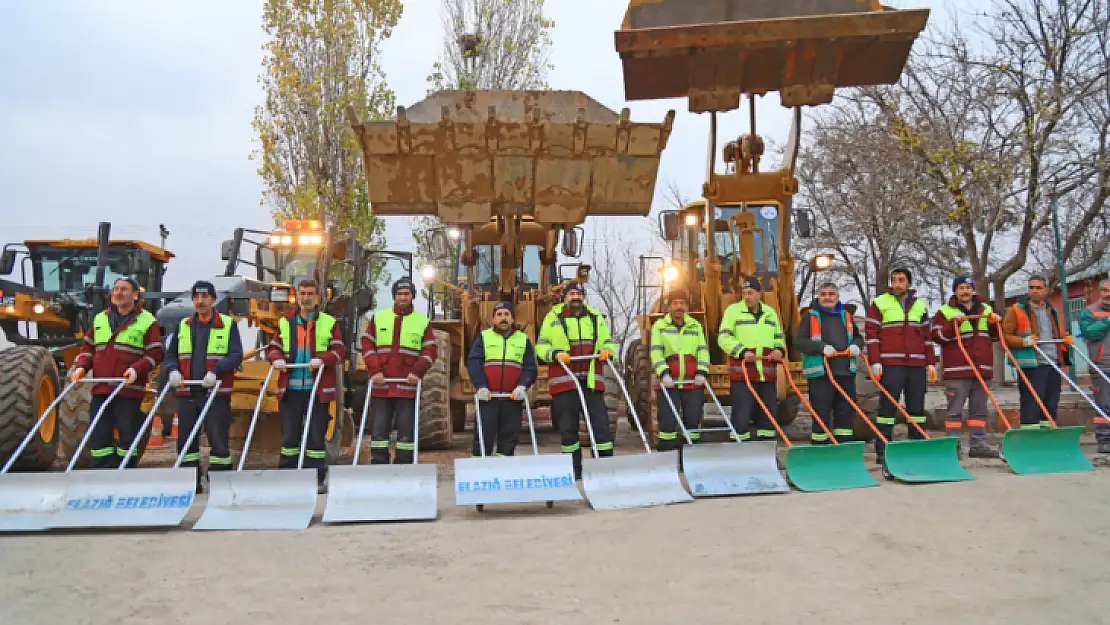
(139, 113)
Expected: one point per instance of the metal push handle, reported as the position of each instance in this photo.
(122, 382)
(254, 419)
(585, 408)
(415, 418)
(308, 413)
(527, 409)
(1072, 383)
(196, 426)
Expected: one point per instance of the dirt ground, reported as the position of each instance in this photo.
(1000, 549)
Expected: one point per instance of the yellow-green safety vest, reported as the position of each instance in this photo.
(133, 335)
(497, 347)
(668, 340)
(218, 338)
(413, 327)
(325, 323)
(740, 331)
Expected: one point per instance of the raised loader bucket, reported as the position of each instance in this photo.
(932, 460)
(1045, 450)
(815, 468)
(382, 492)
(733, 468)
(134, 497)
(711, 51)
(513, 479)
(268, 499)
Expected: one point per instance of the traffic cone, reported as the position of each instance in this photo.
(173, 430)
(156, 439)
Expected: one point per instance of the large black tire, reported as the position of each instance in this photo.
(435, 399)
(28, 383)
(73, 424)
(639, 386)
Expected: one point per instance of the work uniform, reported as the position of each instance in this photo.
(395, 344)
(742, 332)
(679, 350)
(1023, 319)
(898, 338)
(820, 328)
(298, 341)
(961, 385)
(1094, 324)
(500, 363)
(198, 347)
(115, 343)
(577, 335)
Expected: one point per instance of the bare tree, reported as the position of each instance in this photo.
(615, 280)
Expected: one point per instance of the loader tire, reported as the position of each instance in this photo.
(640, 389)
(435, 399)
(29, 381)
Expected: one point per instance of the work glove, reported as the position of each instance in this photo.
(209, 380)
(520, 393)
(76, 374)
(700, 379)
(482, 394)
(131, 375)
(666, 381)
(378, 378)
(749, 356)
(413, 379)
(1069, 339)
(604, 355)
(932, 373)
(279, 364)
(1029, 341)
(876, 371)
(563, 357)
(175, 379)
(776, 354)
(994, 318)
(829, 351)
(315, 364)
(853, 350)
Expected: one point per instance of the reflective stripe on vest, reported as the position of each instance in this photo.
(133, 335)
(218, 338)
(324, 324)
(813, 366)
(951, 312)
(413, 327)
(1026, 357)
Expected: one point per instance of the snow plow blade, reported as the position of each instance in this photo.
(922, 461)
(747, 468)
(1047, 450)
(815, 468)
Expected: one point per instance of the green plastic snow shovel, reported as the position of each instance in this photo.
(1031, 451)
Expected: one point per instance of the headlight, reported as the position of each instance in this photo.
(429, 272)
(691, 220)
(670, 274)
(38, 308)
(453, 233)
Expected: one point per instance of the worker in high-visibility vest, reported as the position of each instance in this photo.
(679, 354)
(398, 344)
(826, 328)
(124, 342)
(1094, 324)
(901, 350)
(306, 336)
(960, 384)
(501, 361)
(751, 334)
(1029, 320)
(205, 347)
(573, 328)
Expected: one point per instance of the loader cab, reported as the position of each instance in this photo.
(745, 239)
(69, 266)
(487, 269)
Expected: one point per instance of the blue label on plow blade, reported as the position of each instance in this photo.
(497, 484)
(161, 500)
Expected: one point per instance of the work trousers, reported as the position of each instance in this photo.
(217, 423)
(124, 414)
(389, 413)
(901, 382)
(1046, 384)
(744, 406)
(500, 427)
(689, 402)
(1101, 390)
(961, 392)
(293, 409)
(833, 408)
(566, 408)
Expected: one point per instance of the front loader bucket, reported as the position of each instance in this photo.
(633, 481)
(515, 479)
(129, 498)
(30, 501)
(814, 468)
(931, 460)
(747, 468)
(381, 492)
(272, 499)
(1048, 450)
(711, 51)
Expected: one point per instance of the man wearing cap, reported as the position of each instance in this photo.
(961, 385)
(501, 361)
(752, 336)
(306, 336)
(124, 342)
(900, 348)
(574, 329)
(205, 347)
(1030, 320)
(1094, 324)
(826, 328)
(679, 354)
(398, 343)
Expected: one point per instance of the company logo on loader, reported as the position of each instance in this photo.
(498, 484)
(161, 500)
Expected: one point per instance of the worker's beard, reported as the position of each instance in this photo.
(575, 306)
(504, 326)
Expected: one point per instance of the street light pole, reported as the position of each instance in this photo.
(1061, 273)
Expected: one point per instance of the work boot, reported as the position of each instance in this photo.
(980, 449)
(1104, 447)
